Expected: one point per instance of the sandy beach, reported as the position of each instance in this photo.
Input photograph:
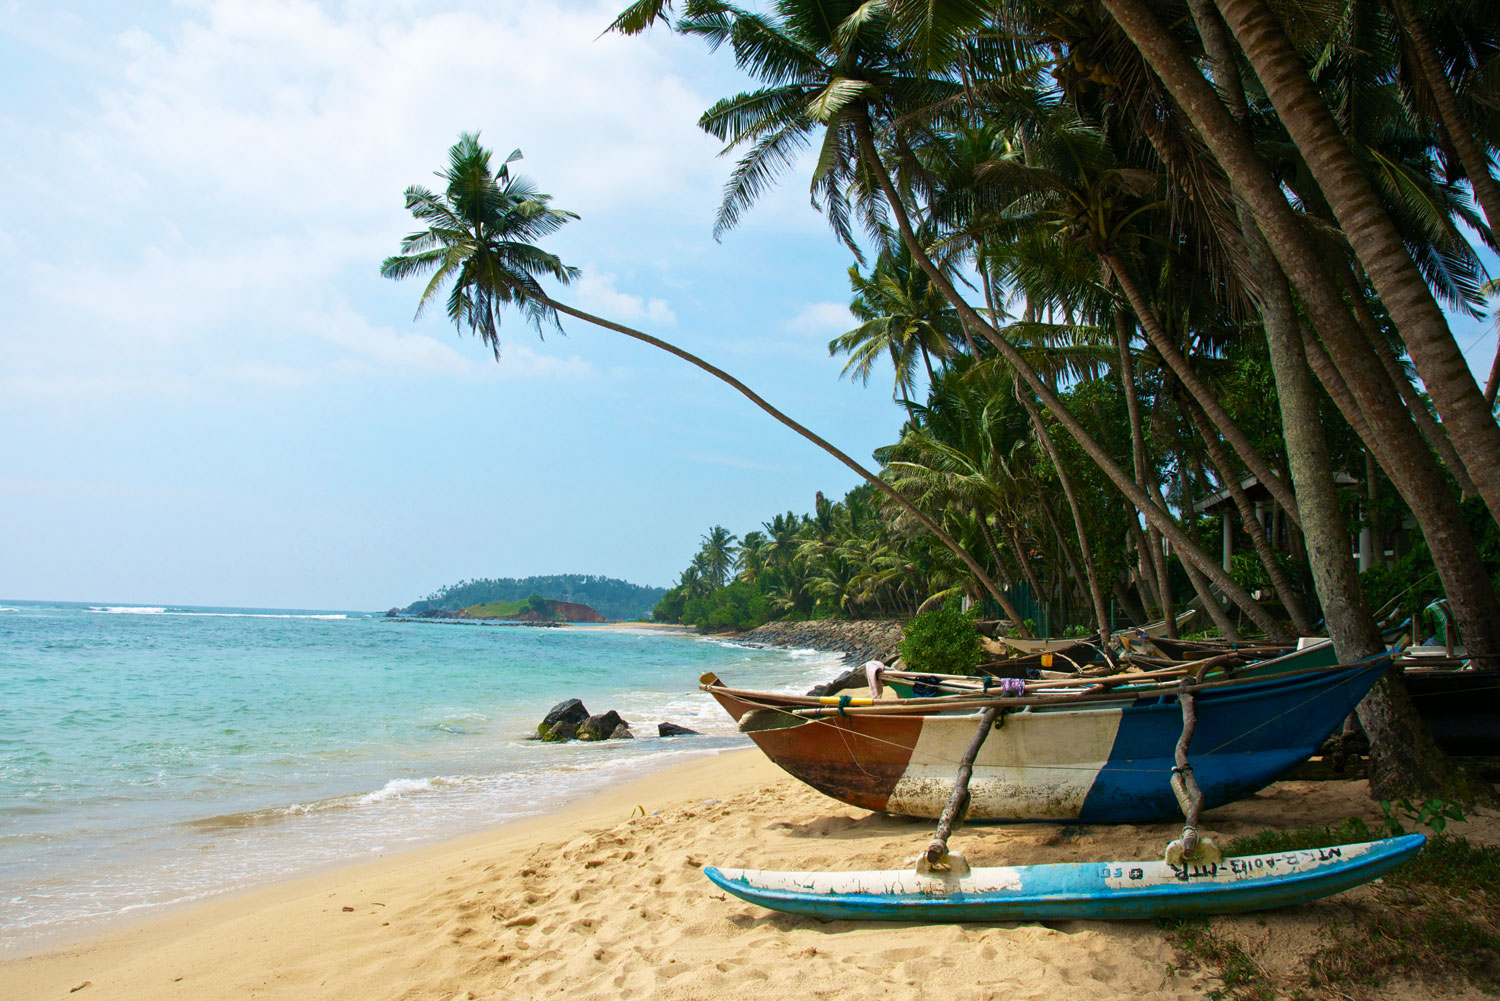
(605, 899)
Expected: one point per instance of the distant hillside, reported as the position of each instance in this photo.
(611, 598)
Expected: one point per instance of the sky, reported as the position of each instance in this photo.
(209, 396)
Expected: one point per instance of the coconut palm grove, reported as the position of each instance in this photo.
(1164, 296)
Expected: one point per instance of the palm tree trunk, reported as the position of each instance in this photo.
(1393, 436)
(1005, 605)
(723, 376)
(1122, 598)
(1144, 576)
(1106, 463)
(1302, 263)
(1197, 389)
(1279, 581)
(1376, 241)
(1415, 405)
(1405, 759)
(1101, 616)
(1038, 592)
(1144, 475)
(1476, 162)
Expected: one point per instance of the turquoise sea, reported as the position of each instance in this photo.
(157, 754)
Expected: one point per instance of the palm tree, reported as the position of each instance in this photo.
(902, 317)
(718, 551)
(1360, 213)
(835, 66)
(479, 237)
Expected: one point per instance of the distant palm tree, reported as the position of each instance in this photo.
(480, 237)
(718, 552)
(902, 317)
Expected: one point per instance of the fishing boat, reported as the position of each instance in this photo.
(1071, 891)
(1460, 707)
(1097, 756)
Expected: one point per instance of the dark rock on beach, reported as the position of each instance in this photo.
(622, 732)
(601, 726)
(673, 730)
(562, 730)
(569, 710)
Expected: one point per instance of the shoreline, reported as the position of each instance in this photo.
(390, 807)
(605, 899)
(649, 790)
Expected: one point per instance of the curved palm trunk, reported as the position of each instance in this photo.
(1376, 241)
(1279, 581)
(1393, 436)
(1415, 405)
(1476, 162)
(1038, 592)
(1406, 760)
(1106, 463)
(723, 376)
(1198, 390)
(1101, 616)
(1010, 610)
(1143, 476)
(1303, 265)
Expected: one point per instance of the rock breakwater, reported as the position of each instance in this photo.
(858, 641)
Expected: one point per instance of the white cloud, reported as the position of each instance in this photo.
(220, 210)
(596, 293)
(822, 319)
(382, 346)
(302, 110)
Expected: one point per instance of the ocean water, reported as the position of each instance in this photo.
(151, 755)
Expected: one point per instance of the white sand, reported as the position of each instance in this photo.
(594, 903)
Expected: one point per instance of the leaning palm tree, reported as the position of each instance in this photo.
(481, 235)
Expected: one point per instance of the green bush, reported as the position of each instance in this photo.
(942, 641)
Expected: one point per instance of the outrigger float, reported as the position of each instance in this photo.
(1275, 722)
(1102, 890)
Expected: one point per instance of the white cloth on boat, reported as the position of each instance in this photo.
(872, 676)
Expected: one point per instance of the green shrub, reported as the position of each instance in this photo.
(942, 641)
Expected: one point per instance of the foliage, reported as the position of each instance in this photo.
(1434, 814)
(610, 597)
(942, 641)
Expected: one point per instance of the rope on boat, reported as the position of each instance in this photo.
(1185, 788)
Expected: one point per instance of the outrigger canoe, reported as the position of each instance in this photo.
(1102, 758)
(1071, 890)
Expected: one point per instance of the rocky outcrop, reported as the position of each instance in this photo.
(673, 730)
(561, 730)
(601, 727)
(562, 611)
(567, 711)
(858, 641)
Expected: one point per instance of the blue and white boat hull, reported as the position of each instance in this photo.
(1106, 890)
